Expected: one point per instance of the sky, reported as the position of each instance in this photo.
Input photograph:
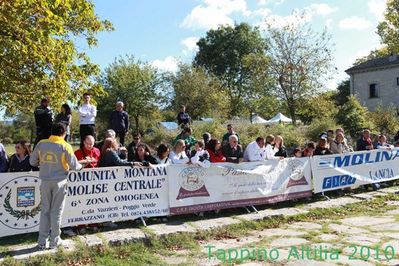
(165, 32)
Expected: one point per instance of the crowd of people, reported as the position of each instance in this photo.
(52, 137)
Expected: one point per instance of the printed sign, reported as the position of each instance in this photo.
(227, 185)
(338, 171)
(93, 196)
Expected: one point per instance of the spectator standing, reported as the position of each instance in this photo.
(3, 159)
(55, 157)
(163, 154)
(270, 150)
(365, 142)
(309, 150)
(255, 150)
(338, 145)
(279, 145)
(206, 137)
(19, 161)
(382, 143)
(322, 147)
(110, 133)
(297, 153)
(232, 150)
(65, 117)
(178, 155)
(87, 114)
(119, 122)
(186, 136)
(396, 138)
(44, 120)
(215, 152)
(183, 118)
(110, 157)
(230, 131)
(143, 155)
(199, 155)
(88, 154)
(131, 148)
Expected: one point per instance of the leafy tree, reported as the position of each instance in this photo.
(388, 29)
(300, 60)
(133, 82)
(354, 117)
(320, 107)
(200, 92)
(222, 53)
(343, 92)
(38, 55)
(386, 120)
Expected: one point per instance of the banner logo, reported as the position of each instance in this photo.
(192, 183)
(297, 177)
(20, 198)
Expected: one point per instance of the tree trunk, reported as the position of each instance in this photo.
(292, 109)
(136, 121)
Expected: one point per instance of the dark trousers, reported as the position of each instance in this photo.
(121, 135)
(87, 130)
(42, 135)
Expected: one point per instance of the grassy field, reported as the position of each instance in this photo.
(154, 249)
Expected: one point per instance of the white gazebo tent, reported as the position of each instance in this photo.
(256, 119)
(279, 118)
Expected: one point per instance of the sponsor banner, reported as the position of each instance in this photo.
(227, 185)
(93, 196)
(338, 171)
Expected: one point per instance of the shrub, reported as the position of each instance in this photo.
(319, 126)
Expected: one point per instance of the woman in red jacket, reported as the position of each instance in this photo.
(215, 152)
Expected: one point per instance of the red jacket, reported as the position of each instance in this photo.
(94, 153)
(216, 158)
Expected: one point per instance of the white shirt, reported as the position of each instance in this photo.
(254, 153)
(87, 114)
(178, 158)
(270, 152)
(196, 159)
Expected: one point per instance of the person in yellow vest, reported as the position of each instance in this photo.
(55, 158)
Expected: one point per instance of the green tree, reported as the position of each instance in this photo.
(201, 93)
(386, 120)
(354, 117)
(38, 54)
(388, 29)
(343, 92)
(222, 53)
(300, 62)
(320, 107)
(133, 82)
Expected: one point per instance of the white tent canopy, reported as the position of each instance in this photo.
(256, 119)
(279, 118)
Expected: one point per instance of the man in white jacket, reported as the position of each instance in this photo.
(255, 150)
(87, 114)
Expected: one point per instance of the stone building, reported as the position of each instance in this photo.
(376, 82)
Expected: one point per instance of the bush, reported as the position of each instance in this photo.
(7, 140)
(319, 126)
(293, 136)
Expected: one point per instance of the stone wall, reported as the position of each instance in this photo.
(386, 84)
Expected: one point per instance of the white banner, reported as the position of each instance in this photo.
(332, 172)
(94, 195)
(228, 185)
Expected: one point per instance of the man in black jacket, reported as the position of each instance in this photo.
(119, 122)
(44, 120)
(232, 150)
